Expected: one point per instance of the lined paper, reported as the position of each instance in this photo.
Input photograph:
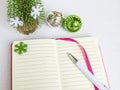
(46, 66)
(71, 77)
(37, 69)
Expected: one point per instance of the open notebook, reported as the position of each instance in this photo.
(43, 64)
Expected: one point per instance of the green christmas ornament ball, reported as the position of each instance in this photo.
(72, 23)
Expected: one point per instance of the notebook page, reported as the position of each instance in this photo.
(37, 68)
(71, 77)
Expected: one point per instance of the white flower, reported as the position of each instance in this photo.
(16, 22)
(36, 11)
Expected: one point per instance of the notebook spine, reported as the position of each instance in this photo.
(11, 67)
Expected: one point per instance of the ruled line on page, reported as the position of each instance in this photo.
(69, 71)
(37, 68)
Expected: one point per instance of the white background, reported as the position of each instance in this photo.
(101, 18)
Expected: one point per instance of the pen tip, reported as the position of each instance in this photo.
(68, 54)
(73, 59)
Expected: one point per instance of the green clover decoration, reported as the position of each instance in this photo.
(20, 48)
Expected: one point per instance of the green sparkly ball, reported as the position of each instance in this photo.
(72, 23)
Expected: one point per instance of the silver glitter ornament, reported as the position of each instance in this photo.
(54, 18)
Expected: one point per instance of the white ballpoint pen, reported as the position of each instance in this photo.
(87, 73)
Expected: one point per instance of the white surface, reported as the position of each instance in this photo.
(100, 18)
